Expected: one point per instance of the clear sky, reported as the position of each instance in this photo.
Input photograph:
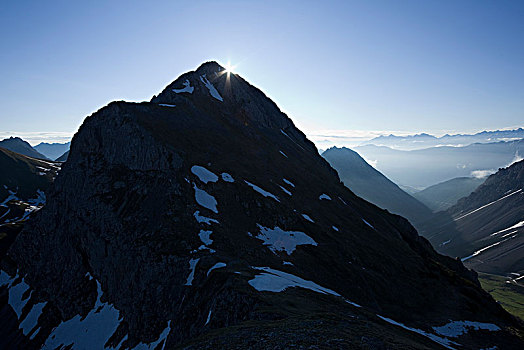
(337, 68)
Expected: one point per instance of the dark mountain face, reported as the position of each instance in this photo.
(426, 167)
(63, 157)
(445, 194)
(52, 150)
(486, 228)
(24, 176)
(18, 145)
(368, 183)
(205, 218)
(23, 182)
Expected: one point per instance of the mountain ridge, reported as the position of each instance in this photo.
(368, 183)
(16, 144)
(52, 150)
(483, 228)
(213, 213)
(445, 194)
(424, 140)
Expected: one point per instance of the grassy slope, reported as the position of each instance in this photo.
(509, 295)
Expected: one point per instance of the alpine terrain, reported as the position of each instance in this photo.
(20, 146)
(486, 228)
(368, 183)
(445, 194)
(204, 219)
(23, 181)
(52, 150)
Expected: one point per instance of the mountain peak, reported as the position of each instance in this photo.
(18, 145)
(210, 66)
(211, 90)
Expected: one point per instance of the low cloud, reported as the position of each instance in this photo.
(373, 163)
(516, 159)
(482, 173)
(346, 138)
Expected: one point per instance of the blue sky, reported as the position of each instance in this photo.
(337, 68)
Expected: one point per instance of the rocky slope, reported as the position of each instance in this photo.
(63, 157)
(23, 181)
(368, 183)
(206, 219)
(16, 144)
(446, 194)
(486, 228)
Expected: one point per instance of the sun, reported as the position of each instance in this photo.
(229, 67)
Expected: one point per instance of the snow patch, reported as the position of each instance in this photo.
(16, 292)
(334, 228)
(455, 329)
(282, 153)
(192, 266)
(91, 332)
(208, 318)
(271, 280)
(31, 319)
(211, 88)
(440, 340)
(367, 223)
(205, 199)
(487, 205)
(166, 105)
(261, 191)
(203, 174)
(352, 303)
(517, 225)
(288, 182)
(161, 337)
(205, 237)
(488, 247)
(10, 197)
(279, 240)
(444, 243)
(187, 88)
(324, 196)
(305, 216)
(227, 178)
(218, 265)
(286, 191)
(202, 219)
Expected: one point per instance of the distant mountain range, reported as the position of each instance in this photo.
(486, 228)
(368, 183)
(424, 140)
(446, 194)
(429, 166)
(47, 151)
(52, 150)
(205, 219)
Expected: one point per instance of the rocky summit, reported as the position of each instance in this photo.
(205, 219)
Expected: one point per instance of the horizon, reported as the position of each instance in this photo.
(348, 138)
(365, 69)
